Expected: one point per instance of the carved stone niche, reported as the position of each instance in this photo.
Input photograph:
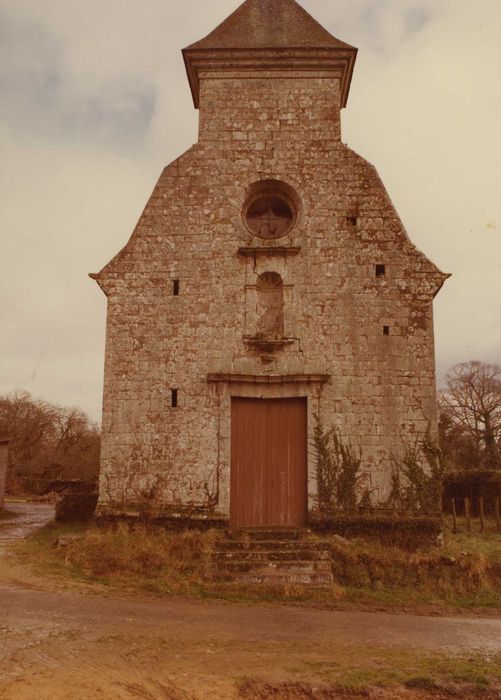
(266, 313)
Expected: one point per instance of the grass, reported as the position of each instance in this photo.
(487, 544)
(464, 574)
(361, 667)
(357, 668)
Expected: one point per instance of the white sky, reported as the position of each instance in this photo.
(94, 102)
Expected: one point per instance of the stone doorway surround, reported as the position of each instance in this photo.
(269, 386)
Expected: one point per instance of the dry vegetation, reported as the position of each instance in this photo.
(464, 574)
(147, 558)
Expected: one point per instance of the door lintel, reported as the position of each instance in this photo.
(268, 378)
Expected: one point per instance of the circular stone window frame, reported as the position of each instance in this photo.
(272, 188)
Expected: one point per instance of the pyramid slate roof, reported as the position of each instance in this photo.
(267, 24)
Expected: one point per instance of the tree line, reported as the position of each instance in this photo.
(48, 443)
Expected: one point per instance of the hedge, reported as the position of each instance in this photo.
(394, 529)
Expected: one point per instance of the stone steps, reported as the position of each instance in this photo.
(256, 534)
(272, 556)
(277, 578)
(293, 565)
(270, 545)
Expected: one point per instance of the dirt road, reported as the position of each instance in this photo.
(27, 518)
(71, 644)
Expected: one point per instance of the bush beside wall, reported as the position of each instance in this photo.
(76, 502)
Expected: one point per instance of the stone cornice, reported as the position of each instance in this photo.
(336, 61)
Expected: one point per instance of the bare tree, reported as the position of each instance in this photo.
(470, 407)
(48, 442)
(30, 423)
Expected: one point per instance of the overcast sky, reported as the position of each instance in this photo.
(94, 102)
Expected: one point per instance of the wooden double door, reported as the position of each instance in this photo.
(268, 481)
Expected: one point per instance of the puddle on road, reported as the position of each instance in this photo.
(29, 517)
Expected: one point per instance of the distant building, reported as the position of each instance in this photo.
(268, 282)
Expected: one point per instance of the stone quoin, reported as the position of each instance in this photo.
(268, 282)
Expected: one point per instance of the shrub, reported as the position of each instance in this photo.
(417, 478)
(338, 471)
(76, 502)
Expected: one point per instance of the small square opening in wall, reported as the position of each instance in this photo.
(174, 398)
(380, 270)
(386, 330)
(175, 288)
(352, 220)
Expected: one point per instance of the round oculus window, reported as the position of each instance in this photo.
(269, 215)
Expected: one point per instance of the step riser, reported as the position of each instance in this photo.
(264, 534)
(272, 557)
(261, 567)
(302, 579)
(269, 545)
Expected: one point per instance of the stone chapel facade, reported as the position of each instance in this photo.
(269, 281)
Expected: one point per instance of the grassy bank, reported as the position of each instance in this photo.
(463, 574)
(357, 669)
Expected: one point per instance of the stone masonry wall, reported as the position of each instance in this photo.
(381, 388)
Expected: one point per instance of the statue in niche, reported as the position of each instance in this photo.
(270, 307)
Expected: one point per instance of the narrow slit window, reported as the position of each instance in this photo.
(386, 330)
(173, 398)
(175, 288)
(380, 270)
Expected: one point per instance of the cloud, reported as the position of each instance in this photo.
(416, 18)
(38, 94)
(380, 26)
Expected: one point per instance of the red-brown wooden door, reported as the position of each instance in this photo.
(268, 462)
